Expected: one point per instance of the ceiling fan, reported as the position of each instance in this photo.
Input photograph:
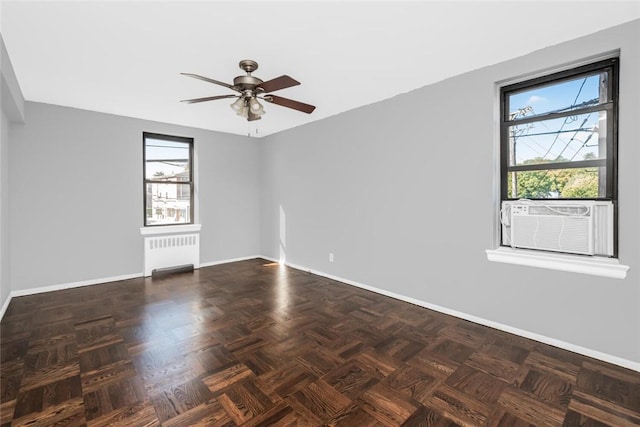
(251, 89)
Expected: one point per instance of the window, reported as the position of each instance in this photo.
(168, 180)
(558, 143)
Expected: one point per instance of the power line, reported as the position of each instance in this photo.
(584, 144)
(523, 111)
(565, 119)
(574, 136)
(580, 129)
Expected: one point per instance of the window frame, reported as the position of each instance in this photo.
(145, 181)
(610, 163)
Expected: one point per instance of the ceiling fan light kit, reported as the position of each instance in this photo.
(251, 89)
(238, 105)
(255, 107)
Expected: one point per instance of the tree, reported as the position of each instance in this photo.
(534, 185)
(582, 185)
(541, 184)
(566, 183)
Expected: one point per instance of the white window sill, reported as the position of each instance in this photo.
(598, 266)
(170, 229)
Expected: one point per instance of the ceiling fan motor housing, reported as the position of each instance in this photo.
(247, 83)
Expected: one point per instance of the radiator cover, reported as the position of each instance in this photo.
(171, 250)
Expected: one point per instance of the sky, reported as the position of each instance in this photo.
(156, 149)
(544, 139)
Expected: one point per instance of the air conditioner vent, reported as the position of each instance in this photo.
(559, 210)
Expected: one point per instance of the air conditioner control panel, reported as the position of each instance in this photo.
(519, 209)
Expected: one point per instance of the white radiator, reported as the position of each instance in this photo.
(171, 251)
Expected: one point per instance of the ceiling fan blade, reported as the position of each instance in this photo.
(278, 83)
(207, 79)
(290, 103)
(208, 98)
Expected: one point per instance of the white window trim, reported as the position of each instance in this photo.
(593, 265)
(170, 229)
(195, 201)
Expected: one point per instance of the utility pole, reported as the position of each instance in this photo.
(602, 134)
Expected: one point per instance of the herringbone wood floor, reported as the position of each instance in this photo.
(253, 344)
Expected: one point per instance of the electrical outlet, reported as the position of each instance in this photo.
(330, 256)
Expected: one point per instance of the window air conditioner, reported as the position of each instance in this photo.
(576, 227)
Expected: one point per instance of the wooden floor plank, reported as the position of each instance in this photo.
(322, 400)
(181, 398)
(387, 405)
(139, 414)
(251, 343)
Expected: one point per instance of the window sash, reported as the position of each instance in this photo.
(559, 165)
(608, 65)
(146, 181)
(609, 106)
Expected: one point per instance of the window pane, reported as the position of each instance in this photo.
(168, 203)
(571, 138)
(559, 97)
(578, 183)
(166, 160)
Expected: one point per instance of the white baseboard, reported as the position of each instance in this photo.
(615, 360)
(226, 261)
(5, 306)
(42, 289)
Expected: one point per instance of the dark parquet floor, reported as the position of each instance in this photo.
(254, 344)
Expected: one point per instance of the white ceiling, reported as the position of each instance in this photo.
(125, 57)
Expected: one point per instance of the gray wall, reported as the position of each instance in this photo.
(5, 287)
(76, 195)
(12, 109)
(403, 193)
